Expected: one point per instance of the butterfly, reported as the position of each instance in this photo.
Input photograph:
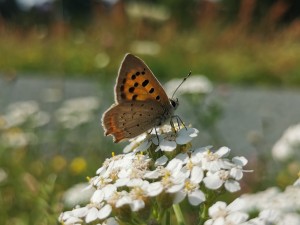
(141, 103)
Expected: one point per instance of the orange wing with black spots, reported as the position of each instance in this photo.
(141, 102)
(136, 82)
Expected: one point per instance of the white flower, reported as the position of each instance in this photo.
(271, 216)
(145, 47)
(172, 177)
(89, 213)
(272, 198)
(168, 141)
(288, 146)
(236, 172)
(134, 180)
(196, 84)
(76, 112)
(216, 180)
(28, 112)
(142, 10)
(191, 189)
(135, 198)
(77, 194)
(16, 138)
(3, 175)
(220, 213)
(289, 219)
(138, 144)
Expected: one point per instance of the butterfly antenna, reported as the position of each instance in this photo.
(184, 79)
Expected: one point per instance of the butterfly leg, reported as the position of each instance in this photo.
(179, 121)
(156, 135)
(172, 124)
(150, 131)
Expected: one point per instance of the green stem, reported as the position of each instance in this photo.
(168, 218)
(203, 214)
(178, 214)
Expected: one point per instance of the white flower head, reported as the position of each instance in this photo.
(78, 194)
(77, 111)
(220, 213)
(196, 84)
(168, 139)
(191, 189)
(26, 112)
(288, 146)
(212, 161)
(90, 213)
(216, 180)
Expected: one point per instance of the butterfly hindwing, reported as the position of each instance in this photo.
(128, 120)
(136, 82)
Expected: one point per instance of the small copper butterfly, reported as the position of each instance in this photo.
(141, 103)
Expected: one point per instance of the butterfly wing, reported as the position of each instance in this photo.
(129, 119)
(136, 82)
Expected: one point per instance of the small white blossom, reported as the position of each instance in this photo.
(78, 194)
(216, 180)
(142, 10)
(138, 144)
(25, 113)
(196, 84)
(75, 112)
(272, 198)
(220, 213)
(288, 146)
(191, 189)
(17, 138)
(212, 161)
(168, 141)
(89, 214)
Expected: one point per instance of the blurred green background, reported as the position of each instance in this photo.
(59, 60)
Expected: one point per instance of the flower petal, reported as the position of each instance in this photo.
(196, 174)
(196, 197)
(166, 145)
(104, 212)
(213, 182)
(232, 185)
(92, 215)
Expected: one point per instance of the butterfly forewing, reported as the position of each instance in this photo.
(128, 120)
(136, 82)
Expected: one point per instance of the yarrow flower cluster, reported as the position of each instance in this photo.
(271, 206)
(288, 145)
(17, 117)
(77, 111)
(157, 171)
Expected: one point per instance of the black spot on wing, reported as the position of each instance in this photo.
(145, 83)
(131, 89)
(134, 97)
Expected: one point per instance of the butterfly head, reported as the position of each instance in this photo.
(174, 103)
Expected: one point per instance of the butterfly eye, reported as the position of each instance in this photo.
(174, 103)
